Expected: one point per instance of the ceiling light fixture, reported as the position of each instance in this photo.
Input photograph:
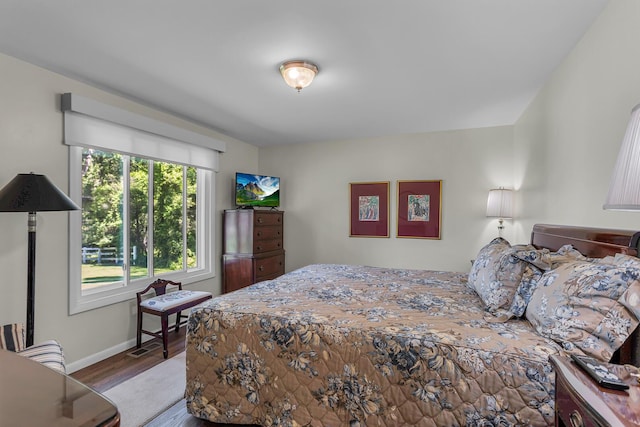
(298, 74)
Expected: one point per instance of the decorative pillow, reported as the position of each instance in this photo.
(496, 274)
(12, 337)
(587, 307)
(545, 260)
(49, 353)
(539, 260)
(622, 260)
(530, 278)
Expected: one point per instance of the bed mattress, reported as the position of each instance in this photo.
(338, 345)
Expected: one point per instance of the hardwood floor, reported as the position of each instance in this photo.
(116, 369)
(121, 367)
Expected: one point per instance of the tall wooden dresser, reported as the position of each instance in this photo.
(253, 247)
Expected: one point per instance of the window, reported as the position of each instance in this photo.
(147, 204)
(117, 232)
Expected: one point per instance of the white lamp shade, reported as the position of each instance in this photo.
(624, 189)
(500, 203)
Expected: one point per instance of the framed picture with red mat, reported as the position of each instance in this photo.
(419, 209)
(369, 202)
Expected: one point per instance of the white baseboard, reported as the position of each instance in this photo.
(104, 354)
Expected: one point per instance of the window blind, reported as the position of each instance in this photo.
(91, 124)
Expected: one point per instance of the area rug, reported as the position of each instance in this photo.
(143, 397)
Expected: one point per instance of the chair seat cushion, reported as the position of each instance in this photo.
(49, 353)
(173, 299)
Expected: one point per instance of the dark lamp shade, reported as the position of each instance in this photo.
(29, 192)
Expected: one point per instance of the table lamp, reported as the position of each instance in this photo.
(500, 205)
(624, 188)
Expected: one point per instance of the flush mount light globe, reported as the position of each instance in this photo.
(298, 74)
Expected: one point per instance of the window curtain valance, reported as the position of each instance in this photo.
(91, 124)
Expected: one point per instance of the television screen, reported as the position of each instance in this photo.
(257, 190)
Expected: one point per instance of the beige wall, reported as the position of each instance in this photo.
(31, 141)
(315, 194)
(567, 141)
(559, 156)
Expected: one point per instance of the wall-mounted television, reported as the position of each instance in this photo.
(257, 190)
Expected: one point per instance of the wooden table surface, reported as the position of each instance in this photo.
(608, 407)
(33, 395)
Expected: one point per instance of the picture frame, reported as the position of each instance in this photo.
(369, 209)
(419, 209)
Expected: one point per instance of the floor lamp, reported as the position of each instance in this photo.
(32, 193)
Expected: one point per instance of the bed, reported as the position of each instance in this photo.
(335, 345)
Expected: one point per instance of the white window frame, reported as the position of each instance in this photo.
(86, 121)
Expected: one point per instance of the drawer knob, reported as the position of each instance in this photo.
(260, 220)
(259, 233)
(258, 248)
(576, 419)
(261, 268)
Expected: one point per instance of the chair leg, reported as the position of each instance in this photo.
(178, 321)
(139, 332)
(165, 333)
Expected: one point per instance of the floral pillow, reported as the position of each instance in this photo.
(539, 260)
(622, 260)
(587, 307)
(530, 279)
(545, 259)
(496, 274)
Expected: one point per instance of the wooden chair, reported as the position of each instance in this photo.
(164, 304)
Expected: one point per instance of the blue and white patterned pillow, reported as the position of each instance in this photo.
(496, 274)
(587, 307)
(539, 260)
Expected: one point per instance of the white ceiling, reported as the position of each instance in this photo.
(386, 67)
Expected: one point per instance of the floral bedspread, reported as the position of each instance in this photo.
(338, 345)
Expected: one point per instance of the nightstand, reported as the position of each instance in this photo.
(581, 402)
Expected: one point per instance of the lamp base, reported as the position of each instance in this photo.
(31, 279)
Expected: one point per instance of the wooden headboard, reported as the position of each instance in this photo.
(596, 243)
(591, 242)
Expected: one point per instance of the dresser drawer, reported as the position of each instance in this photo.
(267, 239)
(573, 408)
(267, 218)
(267, 232)
(260, 246)
(269, 267)
(571, 412)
